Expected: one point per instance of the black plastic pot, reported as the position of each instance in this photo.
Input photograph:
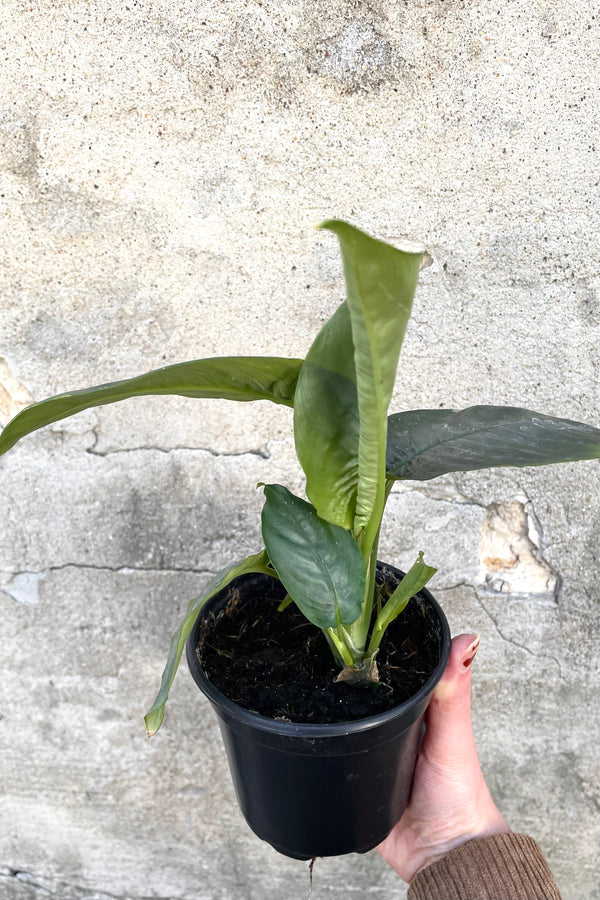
(321, 790)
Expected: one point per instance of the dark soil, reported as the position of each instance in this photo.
(279, 665)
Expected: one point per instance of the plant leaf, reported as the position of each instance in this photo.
(320, 564)
(229, 378)
(348, 378)
(416, 578)
(425, 443)
(259, 562)
(326, 421)
(380, 282)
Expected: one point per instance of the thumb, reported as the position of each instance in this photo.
(449, 738)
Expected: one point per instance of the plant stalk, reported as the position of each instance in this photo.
(359, 630)
(340, 649)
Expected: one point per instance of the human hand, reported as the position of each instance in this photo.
(450, 803)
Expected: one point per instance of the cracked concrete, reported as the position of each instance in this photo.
(260, 451)
(162, 166)
(25, 885)
(510, 553)
(510, 640)
(24, 587)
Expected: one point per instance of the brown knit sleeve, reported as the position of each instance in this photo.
(501, 867)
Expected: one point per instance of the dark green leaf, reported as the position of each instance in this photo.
(319, 564)
(256, 563)
(425, 443)
(229, 378)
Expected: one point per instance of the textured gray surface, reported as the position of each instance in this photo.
(162, 165)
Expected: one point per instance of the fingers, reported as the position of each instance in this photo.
(462, 653)
(449, 735)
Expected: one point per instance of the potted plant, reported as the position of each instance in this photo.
(311, 782)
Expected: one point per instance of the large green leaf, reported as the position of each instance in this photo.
(425, 443)
(380, 282)
(319, 564)
(256, 563)
(229, 378)
(348, 378)
(326, 422)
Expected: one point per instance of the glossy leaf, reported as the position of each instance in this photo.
(425, 443)
(256, 563)
(229, 378)
(380, 284)
(326, 421)
(346, 383)
(319, 563)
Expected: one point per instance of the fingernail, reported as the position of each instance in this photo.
(468, 655)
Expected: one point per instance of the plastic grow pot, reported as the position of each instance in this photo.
(321, 789)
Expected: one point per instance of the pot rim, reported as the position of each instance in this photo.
(321, 729)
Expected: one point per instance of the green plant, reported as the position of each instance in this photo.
(325, 551)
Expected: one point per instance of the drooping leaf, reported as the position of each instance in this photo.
(319, 563)
(346, 383)
(425, 443)
(229, 378)
(256, 563)
(416, 578)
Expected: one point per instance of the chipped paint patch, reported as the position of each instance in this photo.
(24, 588)
(510, 553)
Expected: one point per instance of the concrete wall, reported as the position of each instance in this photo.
(162, 165)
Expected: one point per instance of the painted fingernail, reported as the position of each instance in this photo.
(468, 655)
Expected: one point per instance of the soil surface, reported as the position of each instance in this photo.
(279, 665)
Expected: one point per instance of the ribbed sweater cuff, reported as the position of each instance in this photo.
(501, 867)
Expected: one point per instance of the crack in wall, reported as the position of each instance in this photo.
(124, 570)
(497, 628)
(513, 642)
(511, 542)
(439, 493)
(45, 887)
(23, 587)
(261, 452)
(26, 878)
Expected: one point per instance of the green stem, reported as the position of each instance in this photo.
(339, 647)
(376, 636)
(359, 630)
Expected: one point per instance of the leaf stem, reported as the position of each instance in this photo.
(340, 649)
(359, 630)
